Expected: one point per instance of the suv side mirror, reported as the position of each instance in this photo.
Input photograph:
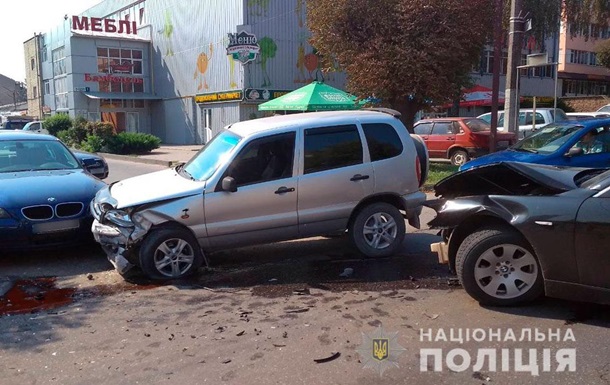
(574, 151)
(229, 184)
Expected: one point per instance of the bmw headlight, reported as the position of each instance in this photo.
(119, 218)
(4, 214)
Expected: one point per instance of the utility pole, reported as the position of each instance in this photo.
(515, 43)
(495, 81)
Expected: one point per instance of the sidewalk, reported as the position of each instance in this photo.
(165, 155)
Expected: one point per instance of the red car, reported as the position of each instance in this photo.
(459, 139)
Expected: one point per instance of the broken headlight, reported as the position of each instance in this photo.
(119, 218)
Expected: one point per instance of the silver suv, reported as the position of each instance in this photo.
(268, 180)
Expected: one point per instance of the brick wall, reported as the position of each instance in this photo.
(586, 103)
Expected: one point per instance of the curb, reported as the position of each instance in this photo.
(137, 159)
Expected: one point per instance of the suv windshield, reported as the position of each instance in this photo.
(207, 160)
(547, 139)
(476, 125)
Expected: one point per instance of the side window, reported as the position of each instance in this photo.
(523, 118)
(423, 129)
(383, 141)
(263, 160)
(539, 118)
(457, 128)
(442, 128)
(332, 147)
(500, 120)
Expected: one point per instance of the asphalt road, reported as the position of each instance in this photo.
(262, 315)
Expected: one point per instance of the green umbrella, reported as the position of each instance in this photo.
(316, 96)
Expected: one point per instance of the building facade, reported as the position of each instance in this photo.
(176, 69)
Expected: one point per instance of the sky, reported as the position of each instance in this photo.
(21, 18)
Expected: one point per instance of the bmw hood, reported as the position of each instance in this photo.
(19, 189)
(157, 186)
(511, 178)
(503, 156)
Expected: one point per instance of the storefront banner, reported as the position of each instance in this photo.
(216, 97)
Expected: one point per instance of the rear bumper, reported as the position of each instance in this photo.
(413, 204)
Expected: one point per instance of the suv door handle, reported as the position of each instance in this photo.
(358, 177)
(284, 189)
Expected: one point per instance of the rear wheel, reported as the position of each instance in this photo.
(170, 253)
(459, 157)
(497, 267)
(378, 230)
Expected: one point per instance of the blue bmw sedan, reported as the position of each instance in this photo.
(44, 193)
(576, 143)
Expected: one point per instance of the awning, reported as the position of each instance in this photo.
(121, 95)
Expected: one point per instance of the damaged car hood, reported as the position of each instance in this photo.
(157, 186)
(512, 178)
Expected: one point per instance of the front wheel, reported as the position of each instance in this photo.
(170, 253)
(378, 230)
(459, 157)
(499, 268)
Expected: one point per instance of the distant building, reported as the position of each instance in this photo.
(181, 70)
(12, 94)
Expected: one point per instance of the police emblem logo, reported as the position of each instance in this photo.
(380, 350)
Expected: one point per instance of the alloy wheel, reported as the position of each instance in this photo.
(380, 230)
(174, 257)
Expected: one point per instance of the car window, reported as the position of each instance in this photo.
(35, 155)
(423, 128)
(327, 148)
(442, 128)
(212, 155)
(477, 125)
(558, 115)
(457, 128)
(605, 108)
(548, 139)
(500, 120)
(486, 117)
(383, 141)
(263, 160)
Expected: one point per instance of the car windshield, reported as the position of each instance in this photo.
(558, 115)
(211, 156)
(35, 155)
(476, 125)
(547, 139)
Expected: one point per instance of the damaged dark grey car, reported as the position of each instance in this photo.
(269, 180)
(513, 231)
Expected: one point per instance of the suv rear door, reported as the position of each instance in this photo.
(336, 175)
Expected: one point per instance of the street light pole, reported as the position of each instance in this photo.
(515, 43)
(495, 81)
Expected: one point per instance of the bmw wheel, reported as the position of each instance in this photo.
(170, 253)
(378, 230)
(498, 267)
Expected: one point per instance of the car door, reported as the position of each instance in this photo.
(423, 130)
(336, 174)
(592, 241)
(264, 207)
(441, 139)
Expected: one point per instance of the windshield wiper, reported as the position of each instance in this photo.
(180, 170)
(525, 150)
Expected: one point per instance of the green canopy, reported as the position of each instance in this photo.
(316, 96)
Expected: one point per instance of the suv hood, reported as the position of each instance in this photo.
(510, 178)
(154, 187)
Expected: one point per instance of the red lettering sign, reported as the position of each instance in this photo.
(96, 24)
(112, 79)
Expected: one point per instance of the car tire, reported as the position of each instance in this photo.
(170, 253)
(459, 157)
(498, 267)
(377, 230)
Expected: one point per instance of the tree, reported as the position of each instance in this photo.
(603, 53)
(407, 53)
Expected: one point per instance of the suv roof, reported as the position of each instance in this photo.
(249, 127)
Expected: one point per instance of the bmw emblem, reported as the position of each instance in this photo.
(51, 200)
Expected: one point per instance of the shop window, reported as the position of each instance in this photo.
(125, 54)
(137, 67)
(59, 62)
(137, 54)
(138, 87)
(104, 86)
(103, 52)
(102, 65)
(138, 104)
(46, 87)
(114, 52)
(115, 87)
(127, 87)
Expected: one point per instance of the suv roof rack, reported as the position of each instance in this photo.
(388, 111)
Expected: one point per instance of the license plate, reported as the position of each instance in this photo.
(53, 227)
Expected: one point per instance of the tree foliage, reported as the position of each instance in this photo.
(405, 52)
(603, 53)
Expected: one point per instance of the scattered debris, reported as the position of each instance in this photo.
(304, 291)
(220, 329)
(332, 357)
(90, 277)
(302, 310)
(273, 280)
(171, 337)
(453, 282)
(146, 334)
(226, 361)
(347, 272)
(279, 345)
(481, 376)
(257, 332)
(285, 335)
(241, 333)
(433, 316)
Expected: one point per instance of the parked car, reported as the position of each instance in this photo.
(527, 124)
(45, 193)
(605, 108)
(35, 126)
(513, 231)
(557, 144)
(267, 180)
(93, 163)
(587, 115)
(458, 139)
(15, 122)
